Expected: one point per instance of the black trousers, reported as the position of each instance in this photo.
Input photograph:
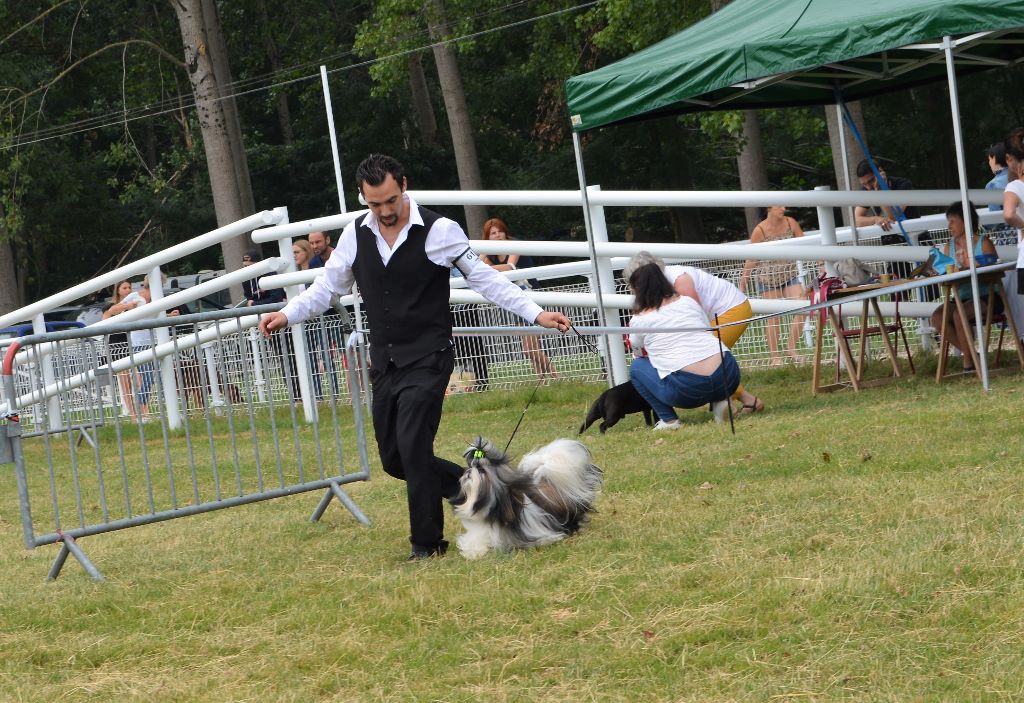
(407, 406)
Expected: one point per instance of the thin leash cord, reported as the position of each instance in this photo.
(721, 351)
(523, 414)
(590, 345)
(540, 382)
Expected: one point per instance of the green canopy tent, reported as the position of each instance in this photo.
(784, 53)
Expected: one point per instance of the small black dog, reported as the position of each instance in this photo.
(614, 404)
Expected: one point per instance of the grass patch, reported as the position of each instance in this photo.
(844, 547)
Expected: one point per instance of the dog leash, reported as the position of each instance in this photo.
(540, 382)
(523, 414)
(587, 342)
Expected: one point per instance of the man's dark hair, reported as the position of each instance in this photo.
(998, 152)
(375, 169)
(650, 287)
(864, 168)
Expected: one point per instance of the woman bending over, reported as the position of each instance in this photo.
(676, 369)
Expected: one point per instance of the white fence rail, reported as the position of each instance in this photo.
(826, 245)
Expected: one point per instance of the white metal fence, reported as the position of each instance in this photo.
(312, 355)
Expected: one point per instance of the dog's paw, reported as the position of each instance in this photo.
(472, 554)
(473, 544)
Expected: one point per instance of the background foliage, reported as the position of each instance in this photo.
(101, 156)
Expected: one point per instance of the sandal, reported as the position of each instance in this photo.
(756, 407)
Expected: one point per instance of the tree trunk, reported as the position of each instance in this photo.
(422, 107)
(854, 154)
(466, 160)
(753, 173)
(222, 75)
(284, 114)
(213, 122)
(10, 295)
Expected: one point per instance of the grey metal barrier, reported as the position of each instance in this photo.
(213, 424)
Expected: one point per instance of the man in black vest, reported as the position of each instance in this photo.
(400, 255)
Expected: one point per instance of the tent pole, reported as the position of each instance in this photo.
(334, 138)
(970, 217)
(846, 164)
(595, 274)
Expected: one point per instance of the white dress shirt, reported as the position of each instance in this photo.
(446, 243)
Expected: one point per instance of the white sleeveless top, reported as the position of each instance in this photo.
(717, 295)
(671, 351)
(1016, 187)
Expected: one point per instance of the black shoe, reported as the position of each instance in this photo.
(419, 553)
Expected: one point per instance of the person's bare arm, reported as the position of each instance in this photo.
(864, 218)
(1010, 204)
(684, 286)
(510, 263)
(987, 247)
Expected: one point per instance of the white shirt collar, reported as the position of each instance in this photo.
(415, 218)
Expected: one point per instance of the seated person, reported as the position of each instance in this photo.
(676, 369)
(254, 295)
(884, 216)
(956, 248)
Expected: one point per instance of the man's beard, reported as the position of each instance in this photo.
(389, 221)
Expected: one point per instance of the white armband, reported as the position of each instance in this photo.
(465, 262)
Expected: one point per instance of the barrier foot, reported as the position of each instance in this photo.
(335, 492)
(71, 547)
(84, 436)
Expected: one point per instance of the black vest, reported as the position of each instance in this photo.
(407, 300)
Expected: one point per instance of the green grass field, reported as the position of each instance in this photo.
(842, 547)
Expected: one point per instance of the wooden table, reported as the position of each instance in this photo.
(994, 280)
(855, 371)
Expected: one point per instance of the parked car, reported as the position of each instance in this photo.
(26, 329)
(221, 300)
(86, 314)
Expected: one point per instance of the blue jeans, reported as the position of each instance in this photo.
(147, 373)
(682, 389)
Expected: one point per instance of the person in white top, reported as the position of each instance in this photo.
(141, 340)
(1013, 196)
(723, 303)
(686, 368)
(401, 255)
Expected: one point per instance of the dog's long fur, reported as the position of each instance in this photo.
(547, 498)
(614, 404)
